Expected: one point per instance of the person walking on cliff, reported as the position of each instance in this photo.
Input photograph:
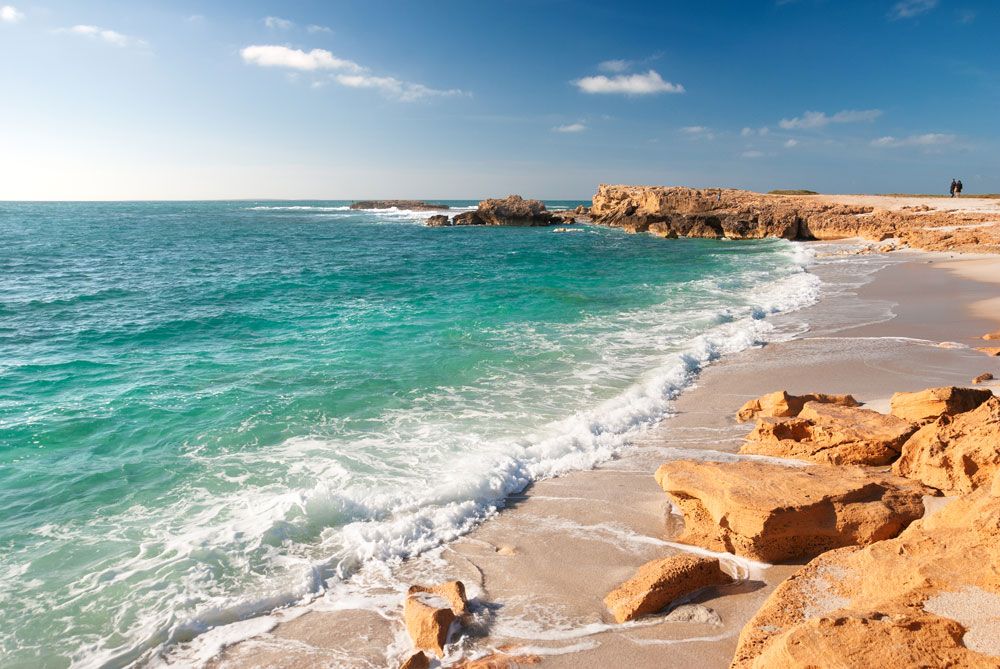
(954, 187)
(958, 188)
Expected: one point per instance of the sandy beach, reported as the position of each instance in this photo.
(537, 572)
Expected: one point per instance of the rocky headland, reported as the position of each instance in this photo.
(724, 213)
(513, 210)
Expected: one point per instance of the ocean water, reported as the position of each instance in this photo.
(208, 410)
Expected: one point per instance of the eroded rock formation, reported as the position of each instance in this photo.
(774, 513)
(659, 582)
(430, 611)
(781, 404)
(512, 210)
(930, 404)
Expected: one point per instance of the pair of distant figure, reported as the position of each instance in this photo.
(956, 187)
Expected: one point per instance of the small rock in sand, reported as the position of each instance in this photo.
(506, 549)
(991, 336)
(430, 611)
(416, 661)
(694, 613)
(660, 582)
(992, 351)
(985, 376)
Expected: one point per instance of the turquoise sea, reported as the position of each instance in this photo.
(208, 410)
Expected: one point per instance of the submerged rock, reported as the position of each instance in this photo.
(955, 454)
(774, 513)
(415, 205)
(659, 582)
(781, 404)
(928, 405)
(927, 598)
(831, 433)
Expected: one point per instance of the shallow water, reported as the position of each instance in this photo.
(211, 409)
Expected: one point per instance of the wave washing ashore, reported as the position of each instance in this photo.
(209, 410)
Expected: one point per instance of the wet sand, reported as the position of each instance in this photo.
(538, 571)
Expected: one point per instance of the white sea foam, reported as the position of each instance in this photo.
(348, 523)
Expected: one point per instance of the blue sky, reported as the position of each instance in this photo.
(362, 98)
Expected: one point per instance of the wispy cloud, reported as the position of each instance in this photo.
(351, 74)
(791, 143)
(616, 65)
(925, 140)
(753, 153)
(907, 9)
(103, 34)
(967, 16)
(313, 29)
(10, 14)
(649, 83)
(271, 55)
(759, 132)
(698, 132)
(815, 119)
(570, 127)
(277, 23)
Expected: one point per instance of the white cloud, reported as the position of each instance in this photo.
(907, 9)
(277, 23)
(628, 84)
(698, 132)
(570, 127)
(103, 34)
(270, 55)
(927, 139)
(401, 90)
(313, 29)
(750, 132)
(10, 14)
(752, 154)
(616, 65)
(791, 143)
(814, 119)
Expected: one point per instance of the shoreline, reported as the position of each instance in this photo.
(609, 520)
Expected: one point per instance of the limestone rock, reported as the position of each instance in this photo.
(982, 378)
(927, 405)
(831, 433)
(992, 351)
(467, 218)
(773, 513)
(430, 611)
(662, 230)
(930, 595)
(438, 221)
(514, 210)
(416, 661)
(990, 336)
(781, 404)
(955, 454)
(659, 582)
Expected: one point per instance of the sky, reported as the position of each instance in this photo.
(463, 99)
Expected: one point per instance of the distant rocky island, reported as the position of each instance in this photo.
(513, 210)
(414, 205)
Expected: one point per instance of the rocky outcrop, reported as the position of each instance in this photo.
(430, 611)
(928, 405)
(773, 513)
(927, 598)
(438, 221)
(417, 660)
(737, 214)
(415, 205)
(983, 378)
(659, 582)
(514, 210)
(833, 434)
(955, 454)
(467, 218)
(780, 404)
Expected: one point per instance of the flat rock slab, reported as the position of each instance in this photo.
(659, 582)
(773, 513)
(782, 404)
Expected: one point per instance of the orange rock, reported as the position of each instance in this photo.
(991, 336)
(927, 405)
(955, 454)
(855, 606)
(780, 404)
(985, 376)
(992, 351)
(430, 611)
(659, 582)
(773, 513)
(416, 661)
(831, 433)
